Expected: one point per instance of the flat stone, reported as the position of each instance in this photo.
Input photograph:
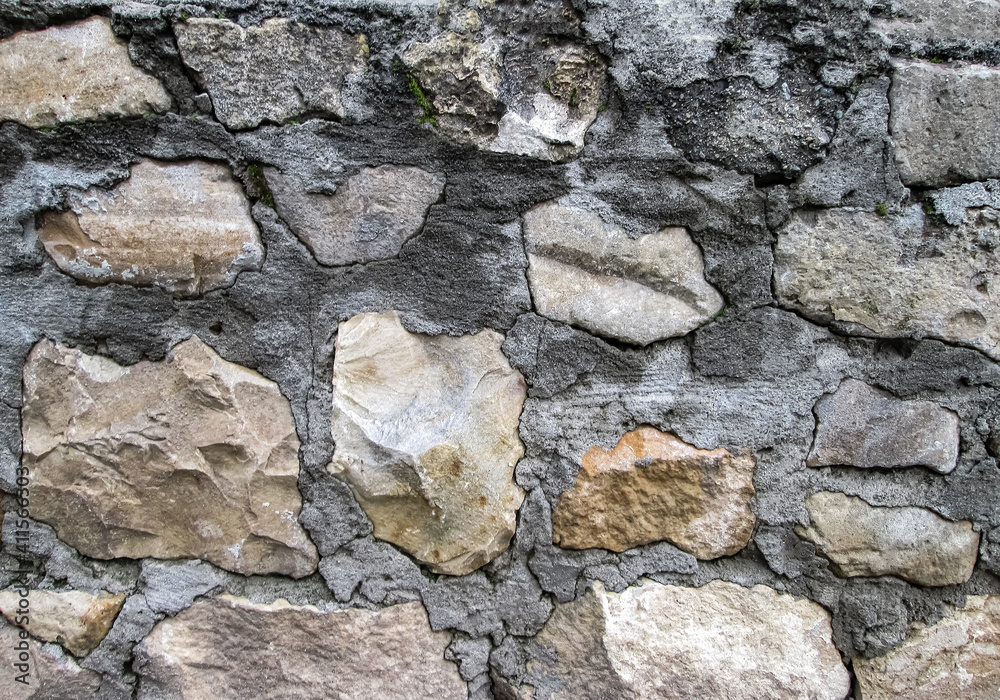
(653, 486)
(957, 657)
(942, 21)
(861, 426)
(73, 73)
(368, 218)
(426, 433)
(272, 73)
(50, 674)
(230, 648)
(914, 544)
(672, 643)
(192, 457)
(75, 619)
(184, 227)
(943, 122)
(893, 276)
(585, 272)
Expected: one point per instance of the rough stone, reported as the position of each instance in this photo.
(51, 675)
(893, 276)
(193, 457)
(861, 426)
(667, 642)
(75, 619)
(653, 486)
(942, 121)
(958, 657)
(276, 72)
(185, 227)
(230, 648)
(368, 218)
(71, 73)
(588, 273)
(426, 432)
(942, 21)
(915, 544)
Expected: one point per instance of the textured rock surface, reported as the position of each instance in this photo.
(958, 657)
(71, 73)
(666, 642)
(185, 227)
(193, 457)
(912, 543)
(230, 648)
(51, 675)
(861, 426)
(651, 487)
(74, 619)
(877, 274)
(368, 218)
(588, 273)
(272, 73)
(941, 20)
(426, 431)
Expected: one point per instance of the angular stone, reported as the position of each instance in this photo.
(943, 121)
(942, 21)
(184, 227)
(193, 457)
(426, 432)
(587, 273)
(275, 72)
(75, 619)
(893, 278)
(861, 426)
(229, 648)
(915, 544)
(671, 643)
(51, 674)
(957, 657)
(653, 486)
(71, 73)
(368, 218)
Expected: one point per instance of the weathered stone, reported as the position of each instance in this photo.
(75, 619)
(666, 642)
(193, 457)
(915, 544)
(185, 227)
(942, 21)
(275, 72)
(74, 72)
(369, 217)
(943, 123)
(861, 426)
(49, 674)
(958, 657)
(585, 272)
(884, 274)
(426, 432)
(653, 486)
(296, 651)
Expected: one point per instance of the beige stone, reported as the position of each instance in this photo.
(591, 274)
(426, 433)
(185, 227)
(912, 543)
(71, 73)
(653, 486)
(75, 619)
(957, 658)
(368, 218)
(230, 649)
(50, 674)
(658, 642)
(192, 457)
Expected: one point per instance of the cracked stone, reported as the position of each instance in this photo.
(653, 486)
(861, 426)
(585, 272)
(912, 543)
(71, 73)
(51, 674)
(192, 457)
(184, 227)
(426, 432)
(75, 619)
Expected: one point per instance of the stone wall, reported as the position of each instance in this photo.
(585, 349)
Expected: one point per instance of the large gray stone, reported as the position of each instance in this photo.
(929, 21)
